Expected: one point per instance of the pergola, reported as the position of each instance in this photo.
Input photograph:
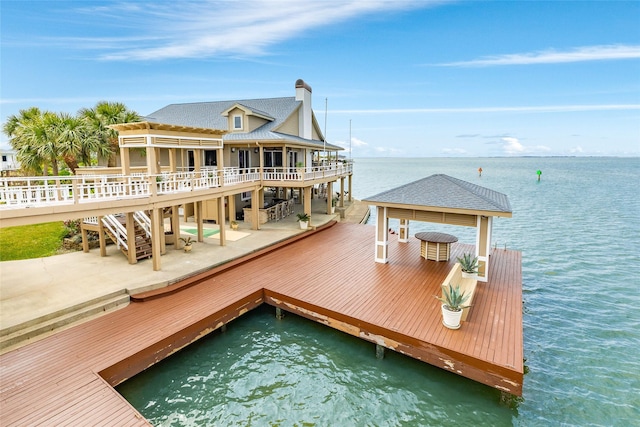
(440, 199)
(155, 136)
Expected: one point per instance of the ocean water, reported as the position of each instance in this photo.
(579, 232)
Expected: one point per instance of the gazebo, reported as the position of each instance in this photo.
(440, 199)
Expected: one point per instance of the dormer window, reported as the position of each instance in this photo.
(237, 122)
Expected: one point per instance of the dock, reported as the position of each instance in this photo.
(328, 276)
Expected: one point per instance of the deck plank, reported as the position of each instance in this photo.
(332, 271)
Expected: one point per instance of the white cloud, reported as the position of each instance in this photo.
(357, 142)
(576, 150)
(587, 53)
(197, 29)
(513, 147)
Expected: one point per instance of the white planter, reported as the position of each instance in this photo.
(451, 319)
(466, 275)
(333, 209)
(187, 248)
(304, 225)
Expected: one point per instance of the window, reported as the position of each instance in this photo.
(243, 160)
(273, 159)
(237, 122)
(4, 158)
(210, 158)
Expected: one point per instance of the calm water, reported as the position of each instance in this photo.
(579, 232)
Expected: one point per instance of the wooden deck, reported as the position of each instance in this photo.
(331, 277)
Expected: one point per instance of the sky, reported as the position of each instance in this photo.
(389, 78)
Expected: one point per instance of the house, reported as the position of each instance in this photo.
(8, 162)
(248, 160)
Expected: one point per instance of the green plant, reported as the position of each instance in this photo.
(303, 217)
(187, 241)
(469, 264)
(452, 298)
(72, 227)
(300, 165)
(334, 201)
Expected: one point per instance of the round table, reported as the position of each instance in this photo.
(435, 246)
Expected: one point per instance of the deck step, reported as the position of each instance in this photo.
(33, 330)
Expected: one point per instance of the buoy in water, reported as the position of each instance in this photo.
(539, 172)
(479, 171)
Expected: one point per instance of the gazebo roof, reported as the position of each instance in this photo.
(444, 193)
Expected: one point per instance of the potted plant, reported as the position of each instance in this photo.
(303, 219)
(334, 202)
(469, 266)
(187, 243)
(234, 225)
(452, 300)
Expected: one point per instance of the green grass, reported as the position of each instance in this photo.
(31, 241)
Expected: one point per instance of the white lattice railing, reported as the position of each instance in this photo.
(44, 191)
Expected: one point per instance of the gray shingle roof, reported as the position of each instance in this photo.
(209, 115)
(446, 192)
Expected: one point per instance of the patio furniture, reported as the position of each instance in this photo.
(435, 246)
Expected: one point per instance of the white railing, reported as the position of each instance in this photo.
(144, 221)
(117, 230)
(43, 191)
(328, 170)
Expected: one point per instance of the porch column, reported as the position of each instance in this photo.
(382, 235)
(102, 238)
(350, 188)
(199, 220)
(175, 226)
(306, 198)
(222, 221)
(255, 206)
(231, 202)
(483, 246)
(341, 199)
(403, 231)
(125, 163)
(329, 196)
(173, 165)
(156, 229)
(131, 238)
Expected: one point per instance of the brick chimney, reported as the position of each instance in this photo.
(303, 93)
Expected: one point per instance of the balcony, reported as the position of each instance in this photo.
(18, 193)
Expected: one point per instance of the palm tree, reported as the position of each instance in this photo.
(74, 139)
(28, 133)
(100, 117)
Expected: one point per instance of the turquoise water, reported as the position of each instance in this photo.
(579, 232)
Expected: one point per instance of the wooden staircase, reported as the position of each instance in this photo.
(142, 243)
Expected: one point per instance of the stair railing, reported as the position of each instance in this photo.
(117, 230)
(143, 221)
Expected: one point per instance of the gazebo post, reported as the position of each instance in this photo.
(483, 245)
(382, 235)
(403, 232)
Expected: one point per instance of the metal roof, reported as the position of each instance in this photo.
(446, 192)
